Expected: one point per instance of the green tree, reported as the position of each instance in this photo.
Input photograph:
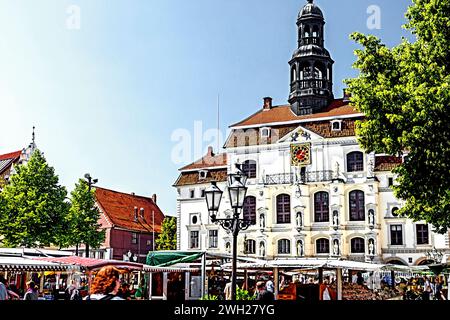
(33, 206)
(405, 93)
(167, 240)
(83, 217)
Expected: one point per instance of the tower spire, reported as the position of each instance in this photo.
(311, 65)
(33, 135)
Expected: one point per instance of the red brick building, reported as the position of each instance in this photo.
(132, 224)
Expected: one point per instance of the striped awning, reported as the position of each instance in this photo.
(149, 268)
(21, 264)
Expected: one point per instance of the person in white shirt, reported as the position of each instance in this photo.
(269, 286)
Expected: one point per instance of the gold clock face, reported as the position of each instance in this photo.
(301, 154)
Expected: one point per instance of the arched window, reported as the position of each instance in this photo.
(317, 73)
(321, 207)
(250, 247)
(284, 246)
(315, 32)
(323, 245)
(249, 209)
(305, 72)
(356, 201)
(307, 31)
(293, 74)
(228, 247)
(249, 168)
(355, 161)
(357, 245)
(283, 208)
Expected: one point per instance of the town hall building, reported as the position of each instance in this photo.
(312, 190)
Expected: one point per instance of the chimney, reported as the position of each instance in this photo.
(267, 103)
(210, 152)
(154, 198)
(133, 194)
(347, 96)
(135, 214)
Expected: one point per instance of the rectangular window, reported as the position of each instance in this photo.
(283, 208)
(422, 233)
(134, 237)
(202, 193)
(213, 238)
(396, 235)
(192, 193)
(390, 181)
(194, 240)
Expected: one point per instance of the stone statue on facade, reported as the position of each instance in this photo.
(335, 218)
(336, 247)
(262, 249)
(299, 219)
(300, 248)
(371, 247)
(262, 222)
(371, 217)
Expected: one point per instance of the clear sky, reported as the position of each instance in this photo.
(108, 87)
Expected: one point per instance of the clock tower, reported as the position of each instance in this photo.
(311, 64)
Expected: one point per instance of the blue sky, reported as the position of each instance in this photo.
(107, 97)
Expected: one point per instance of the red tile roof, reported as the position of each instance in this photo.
(119, 207)
(12, 155)
(387, 163)
(210, 160)
(285, 114)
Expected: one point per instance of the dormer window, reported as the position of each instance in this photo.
(202, 174)
(336, 125)
(265, 132)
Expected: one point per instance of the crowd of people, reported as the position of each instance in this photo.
(107, 284)
(422, 288)
(264, 291)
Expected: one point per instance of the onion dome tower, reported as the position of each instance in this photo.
(311, 65)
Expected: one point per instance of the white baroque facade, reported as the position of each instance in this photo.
(312, 191)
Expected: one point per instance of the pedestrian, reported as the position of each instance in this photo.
(270, 286)
(263, 294)
(105, 285)
(124, 292)
(426, 288)
(3, 290)
(227, 291)
(32, 293)
(69, 290)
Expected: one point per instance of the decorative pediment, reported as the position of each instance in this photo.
(300, 135)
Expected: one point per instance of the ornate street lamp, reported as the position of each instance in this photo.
(91, 181)
(213, 196)
(236, 191)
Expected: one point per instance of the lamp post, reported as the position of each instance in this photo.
(236, 191)
(91, 182)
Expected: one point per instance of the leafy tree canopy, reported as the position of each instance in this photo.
(167, 240)
(83, 217)
(33, 206)
(405, 93)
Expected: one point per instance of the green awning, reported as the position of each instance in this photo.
(169, 258)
